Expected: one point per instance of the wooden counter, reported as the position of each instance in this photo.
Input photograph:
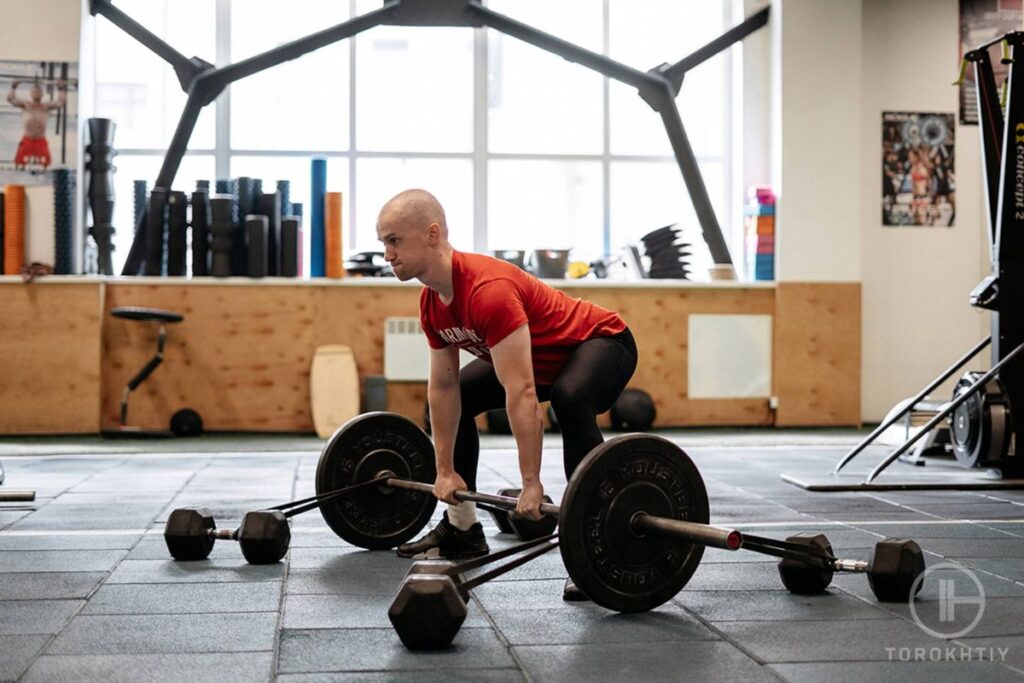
(242, 355)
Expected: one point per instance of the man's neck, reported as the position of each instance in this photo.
(439, 278)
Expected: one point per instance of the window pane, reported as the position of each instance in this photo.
(537, 102)
(644, 35)
(545, 205)
(450, 180)
(414, 89)
(301, 104)
(132, 167)
(648, 195)
(137, 89)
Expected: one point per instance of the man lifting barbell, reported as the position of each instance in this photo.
(533, 343)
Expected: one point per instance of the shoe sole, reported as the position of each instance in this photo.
(435, 554)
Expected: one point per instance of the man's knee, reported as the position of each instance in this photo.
(566, 401)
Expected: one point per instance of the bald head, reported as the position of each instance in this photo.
(413, 209)
(415, 235)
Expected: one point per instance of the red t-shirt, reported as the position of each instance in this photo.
(493, 298)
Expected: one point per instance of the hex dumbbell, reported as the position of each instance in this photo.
(263, 535)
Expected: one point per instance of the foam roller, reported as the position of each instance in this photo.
(200, 232)
(332, 235)
(14, 229)
(64, 220)
(291, 246)
(221, 234)
(156, 228)
(177, 227)
(256, 227)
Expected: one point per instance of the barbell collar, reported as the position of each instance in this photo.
(703, 534)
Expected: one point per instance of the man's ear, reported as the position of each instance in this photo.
(434, 234)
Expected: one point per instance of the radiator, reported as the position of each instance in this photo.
(406, 353)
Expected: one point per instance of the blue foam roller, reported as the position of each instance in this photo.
(316, 223)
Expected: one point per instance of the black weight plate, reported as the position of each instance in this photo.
(376, 517)
(613, 566)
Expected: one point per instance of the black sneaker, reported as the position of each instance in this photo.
(446, 541)
(571, 593)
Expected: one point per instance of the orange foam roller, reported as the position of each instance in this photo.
(333, 235)
(14, 229)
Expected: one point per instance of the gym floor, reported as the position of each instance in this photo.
(89, 592)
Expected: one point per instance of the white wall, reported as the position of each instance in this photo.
(916, 318)
(816, 138)
(47, 30)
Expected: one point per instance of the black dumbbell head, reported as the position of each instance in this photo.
(264, 536)
(893, 569)
(186, 534)
(501, 516)
(800, 577)
(427, 612)
(429, 567)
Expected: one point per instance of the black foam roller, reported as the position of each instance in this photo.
(297, 210)
(156, 221)
(177, 229)
(223, 185)
(270, 206)
(64, 220)
(256, 236)
(221, 234)
(245, 205)
(284, 191)
(200, 233)
(140, 188)
(203, 186)
(290, 246)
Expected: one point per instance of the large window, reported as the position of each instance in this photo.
(524, 149)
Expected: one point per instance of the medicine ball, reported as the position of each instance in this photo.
(186, 422)
(497, 422)
(633, 411)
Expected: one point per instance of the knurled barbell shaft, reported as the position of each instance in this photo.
(223, 534)
(506, 502)
(729, 539)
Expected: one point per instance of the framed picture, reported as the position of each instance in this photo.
(918, 171)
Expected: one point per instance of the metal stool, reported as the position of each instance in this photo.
(185, 422)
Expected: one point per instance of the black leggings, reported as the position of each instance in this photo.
(595, 374)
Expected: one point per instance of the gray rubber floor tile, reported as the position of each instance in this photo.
(166, 633)
(864, 519)
(340, 556)
(48, 585)
(1008, 650)
(17, 652)
(26, 617)
(539, 595)
(980, 511)
(440, 675)
(310, 651)
(976, 547)
(56, 519)
(153, 668)
(632, 662)
(203, 571)
(993, 586)
(185, 598)
(942, 530)
(736, 576)
(92, 541)
(19, 561)
(316, 538)
(1007, 568)
(811, 641)
(333, 582)
(905, 672)
(776, 606)
(352, 611)
(588, 623)
(9, 517)
(153, 547)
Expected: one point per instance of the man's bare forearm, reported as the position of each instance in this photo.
(445, 410)
(524, 416)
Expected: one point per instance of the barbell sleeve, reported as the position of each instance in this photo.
(17, 496)
(223, 534)
(850, 565)
(704, 534)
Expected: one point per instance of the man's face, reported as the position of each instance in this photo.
(37, 93)
(406, 247)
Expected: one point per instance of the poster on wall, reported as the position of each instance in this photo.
(918, 174)
(38, 120)
(980, 22)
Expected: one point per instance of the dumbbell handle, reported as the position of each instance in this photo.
(850, 565)
(223, 534)
(704, 534)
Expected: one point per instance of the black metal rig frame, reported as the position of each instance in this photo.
(658, 86)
